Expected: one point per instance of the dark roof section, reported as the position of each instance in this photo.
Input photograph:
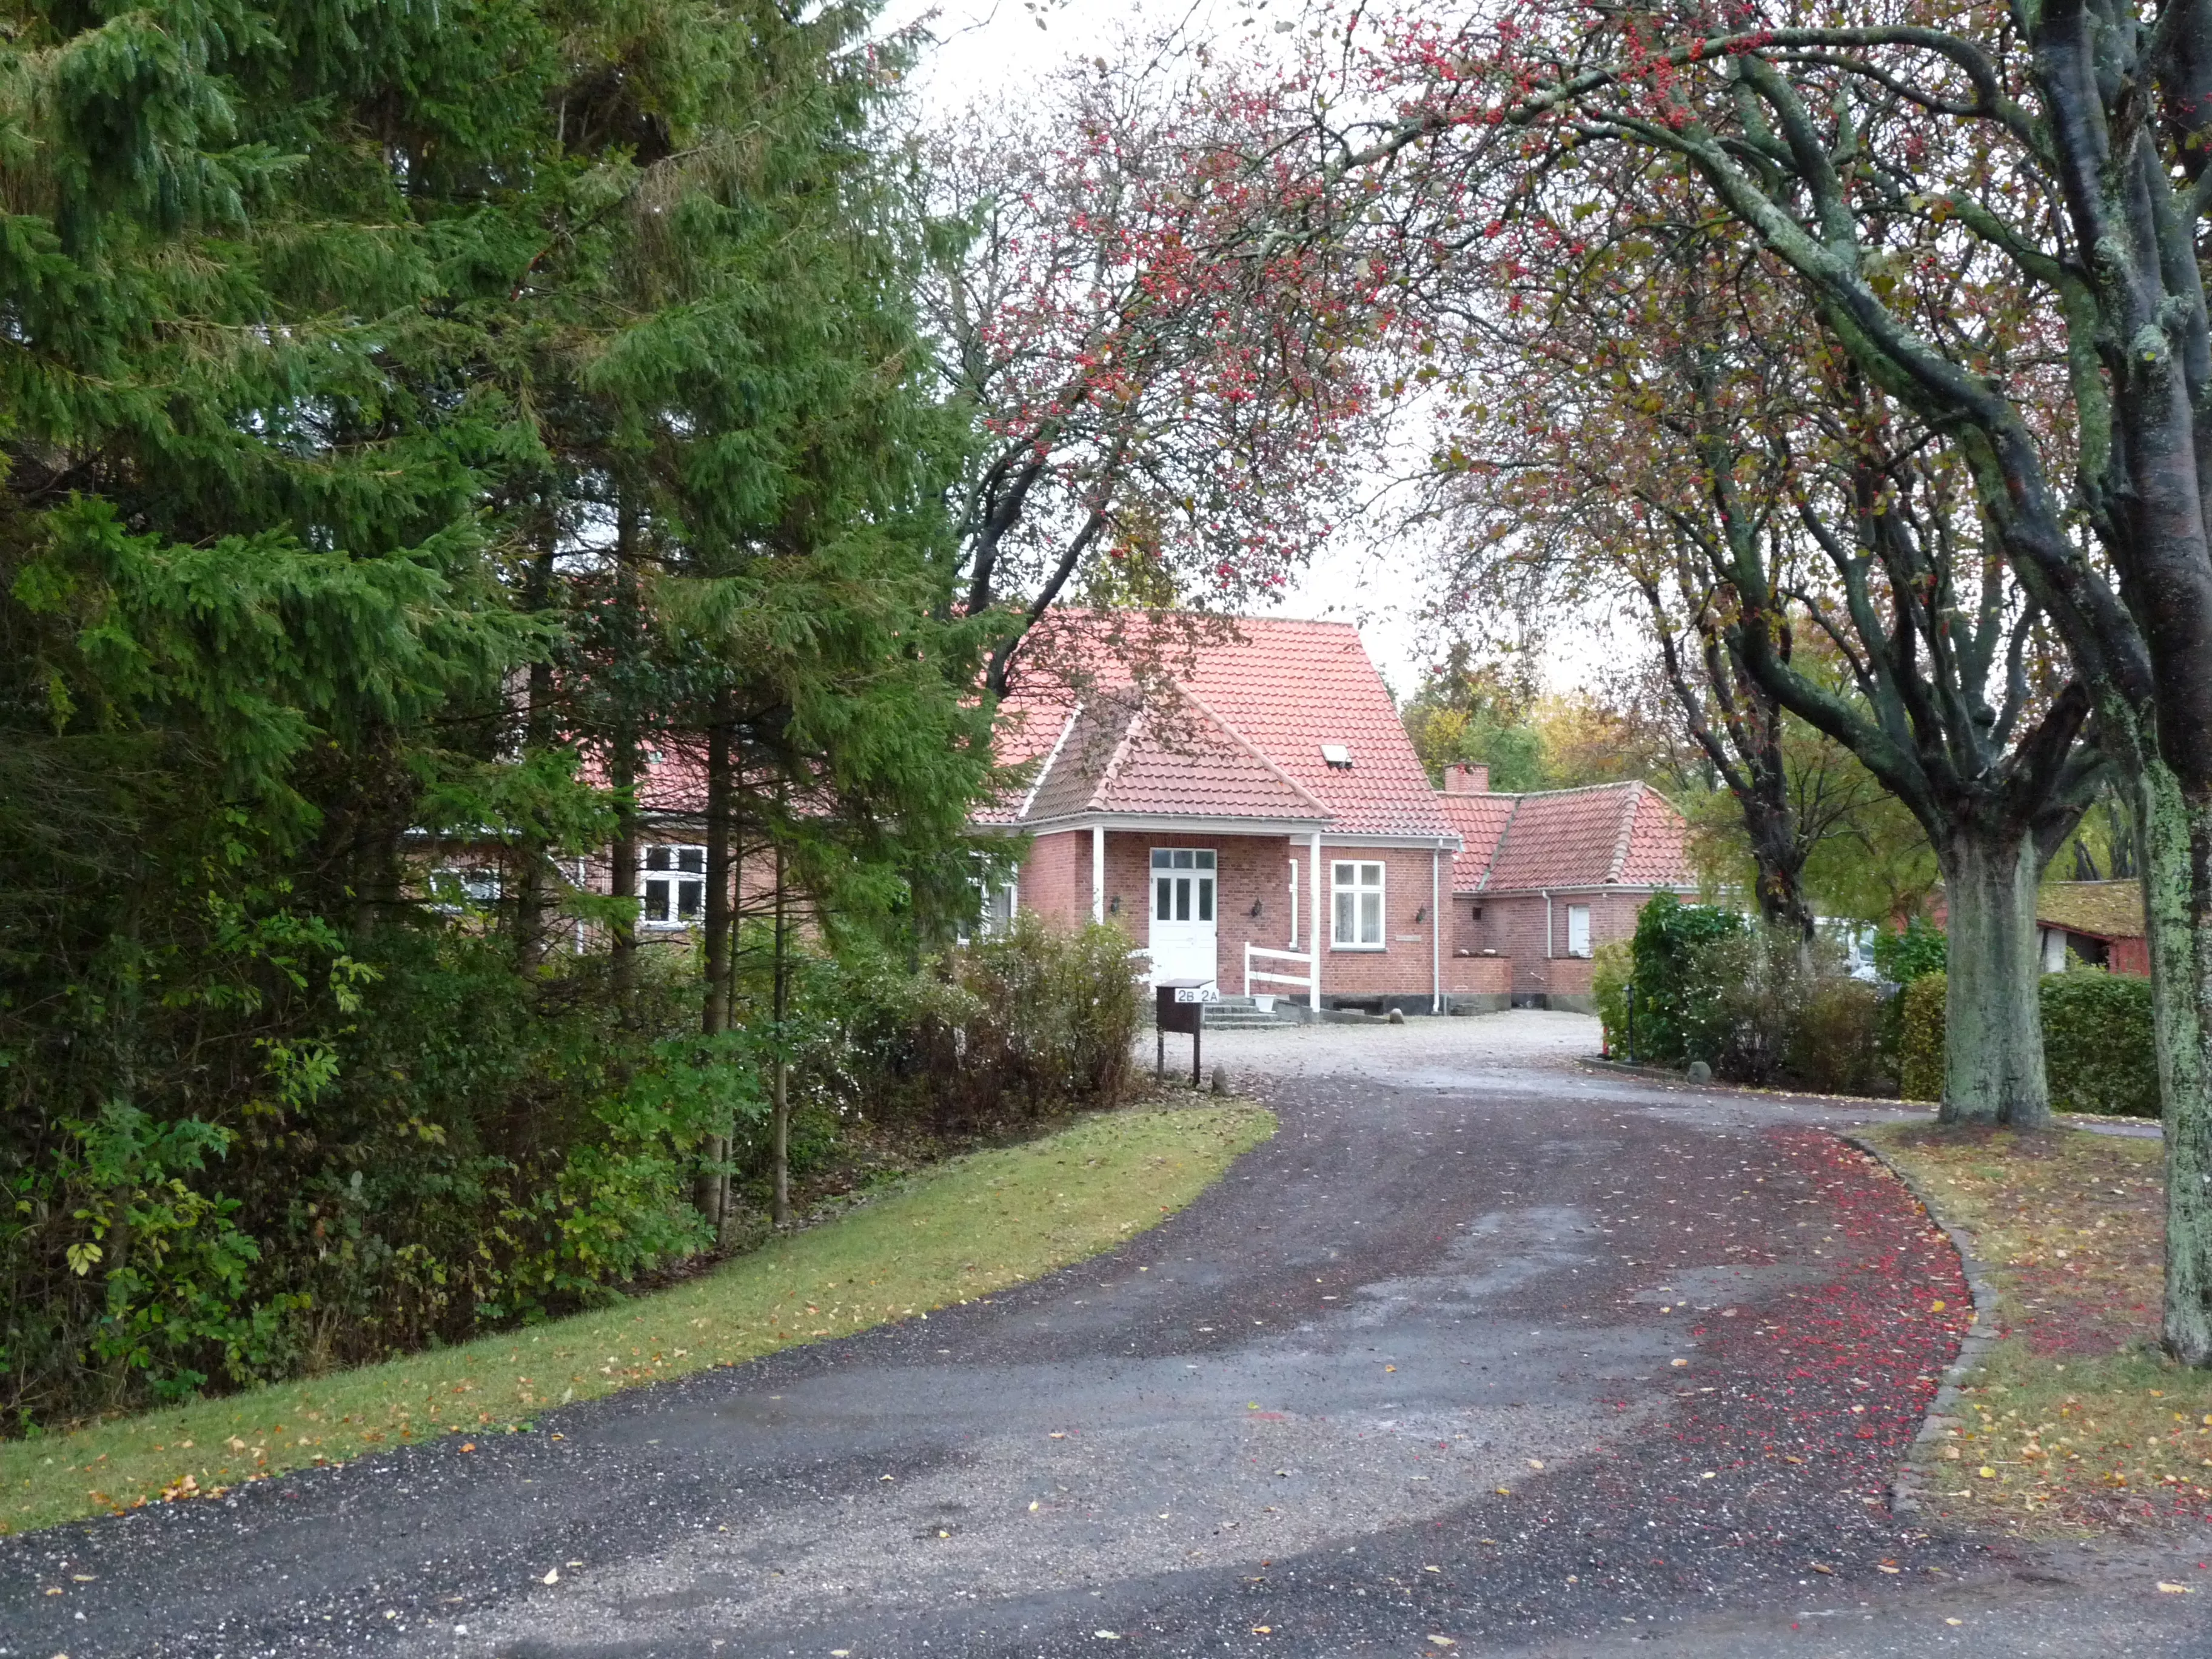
(2099, 909)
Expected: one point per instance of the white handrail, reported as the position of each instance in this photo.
(1252, 973)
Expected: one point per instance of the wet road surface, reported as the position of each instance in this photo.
(1481, 1353)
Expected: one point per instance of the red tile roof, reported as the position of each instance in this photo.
(1624, 834)
(1241, 733)
(1481, 820)
(1117, 755)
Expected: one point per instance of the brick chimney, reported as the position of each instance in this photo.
(1466, 778)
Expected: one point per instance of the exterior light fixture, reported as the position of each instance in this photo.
(1421, 915)
(1256, 906)
(1113, 905)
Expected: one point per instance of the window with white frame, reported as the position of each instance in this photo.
(1183, 884)
(453, 890)
(675, 886)
(1578, 930)
(1356, 887)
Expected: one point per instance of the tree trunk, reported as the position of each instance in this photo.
(780, 1151)
(622, 868)
(1778, 870)
(621, 771)
(1992, 1013)
(713, 1196)
(531, 896)
(2177, 858)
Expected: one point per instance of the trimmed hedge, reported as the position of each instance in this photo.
(1920, 1047)
(1612, 965)
(2098, 1050)
(1675, 978)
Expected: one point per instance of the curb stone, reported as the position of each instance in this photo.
(1913, 1474)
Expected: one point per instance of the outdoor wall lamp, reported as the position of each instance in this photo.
(1421, 915)
(1113, 905)
(1256, 906)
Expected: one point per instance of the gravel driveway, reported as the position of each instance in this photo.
(1482, 1352)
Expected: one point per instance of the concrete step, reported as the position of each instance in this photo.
(1246, 1019)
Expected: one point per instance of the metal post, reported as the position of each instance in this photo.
(1160, 1052)
(1197, 1032)
(1631, 1024)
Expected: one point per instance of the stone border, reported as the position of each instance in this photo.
(1913, 1474)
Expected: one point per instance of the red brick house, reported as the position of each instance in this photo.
(1544, 880)
(1267, 825)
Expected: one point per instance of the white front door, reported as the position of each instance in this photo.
(1183, 913)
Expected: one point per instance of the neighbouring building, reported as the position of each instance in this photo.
(2100, 923)
(1264, 824)
(1543, 879)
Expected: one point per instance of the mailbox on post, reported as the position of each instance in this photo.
(1181, 1007)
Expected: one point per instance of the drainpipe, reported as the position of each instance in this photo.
(1436, 935)
(1315, 925)
(1548, 947)
(1098, 872)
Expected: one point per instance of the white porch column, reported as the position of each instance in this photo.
(1436, 933)
(1316, 925)
(1098, 872)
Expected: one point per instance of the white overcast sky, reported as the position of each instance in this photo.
(994, 50)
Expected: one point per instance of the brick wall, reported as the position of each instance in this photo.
(1489, 975)
(1249, 870)
(1403, 966)
(1512, 924)
(1056, 878)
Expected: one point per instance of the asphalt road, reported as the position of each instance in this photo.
(1481, 1353)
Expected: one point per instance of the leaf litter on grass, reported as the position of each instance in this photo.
(2073, 1421)
(969, 1227)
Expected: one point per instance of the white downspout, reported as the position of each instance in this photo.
(1098, 872)
(1547, 947)
(1314, 924)
(1436, 933)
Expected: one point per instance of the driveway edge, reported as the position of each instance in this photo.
(1914, 1473)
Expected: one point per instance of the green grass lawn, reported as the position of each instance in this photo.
(969, 1227)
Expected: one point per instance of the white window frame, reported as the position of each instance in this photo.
(1582, 911)
(1202, 867)
(673, 877)
(1002, 902)
(1349, 878)
(456, 888)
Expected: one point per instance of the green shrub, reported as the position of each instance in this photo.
(1034, 1020)
(1675, 977)
(1919, 948)
(1835, 1047)
(2098, 1048)
(1781, 1013)
(1920, 1050)
(1613, 965)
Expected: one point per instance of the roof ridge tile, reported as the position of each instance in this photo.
(1627, 831)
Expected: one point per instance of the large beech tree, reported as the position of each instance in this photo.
(1661, 412)
(2058, 151)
